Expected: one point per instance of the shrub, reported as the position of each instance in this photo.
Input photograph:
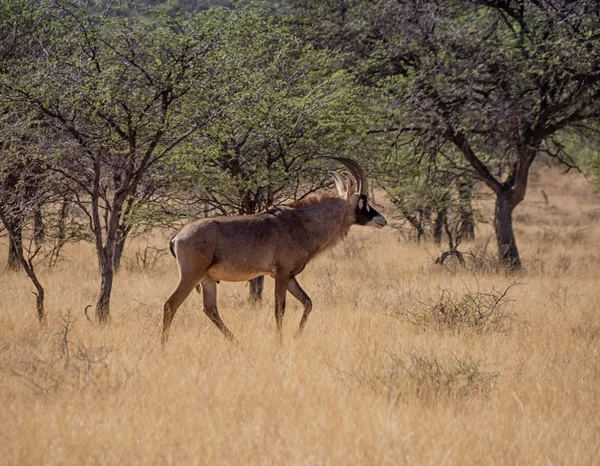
(429, 378)
(478, 311)
(62, 364)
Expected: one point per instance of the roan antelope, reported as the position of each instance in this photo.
(278, 242)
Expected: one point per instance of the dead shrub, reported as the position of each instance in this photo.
(63, 364)
(146, 258)
(478, 311)
(478, 259)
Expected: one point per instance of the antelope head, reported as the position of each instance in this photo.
(354, 189)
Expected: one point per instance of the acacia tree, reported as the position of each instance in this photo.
(23, 30)
(25, 186)
(123, 95)
(509, 77)
(18, 201)
(497, 81)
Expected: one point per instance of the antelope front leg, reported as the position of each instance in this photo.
(209, 296)
(300, 295)
(281, 284)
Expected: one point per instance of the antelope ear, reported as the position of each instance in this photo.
(339, 183)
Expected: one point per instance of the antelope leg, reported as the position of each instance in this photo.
(281, 284)
(209, 296)
(183, 290)
(300, 295)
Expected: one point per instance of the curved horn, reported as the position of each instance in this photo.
(339, 182)
(356, 170)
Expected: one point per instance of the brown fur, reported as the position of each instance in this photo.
(313, 199)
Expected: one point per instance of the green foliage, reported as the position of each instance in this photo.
(119, 95)
(589, 155)
(289, 105)
(503, 79)
(24, 30)
(584, 148)
(434, 199)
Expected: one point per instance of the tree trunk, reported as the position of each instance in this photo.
(119, 247)
(508, 253)
(103, 304)
(39, 233)
(256, 288)
(106, 251)
(39, 297)
(15, 246)
(40, 292)
(122, 234)
(465, 209)
(106, 261)
(61, 232)
(416, 224)
(62, 221)
(438, 226)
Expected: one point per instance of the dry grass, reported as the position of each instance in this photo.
(360, 387)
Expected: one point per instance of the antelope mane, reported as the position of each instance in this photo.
(313, 199)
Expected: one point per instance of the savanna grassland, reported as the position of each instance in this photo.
(402, 361)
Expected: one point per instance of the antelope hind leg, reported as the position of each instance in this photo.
(281, 284)
(170, 308)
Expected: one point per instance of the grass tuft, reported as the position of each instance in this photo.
(429, 378)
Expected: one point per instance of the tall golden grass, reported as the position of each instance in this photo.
(366, 384)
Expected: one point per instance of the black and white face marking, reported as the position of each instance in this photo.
(367, 215)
